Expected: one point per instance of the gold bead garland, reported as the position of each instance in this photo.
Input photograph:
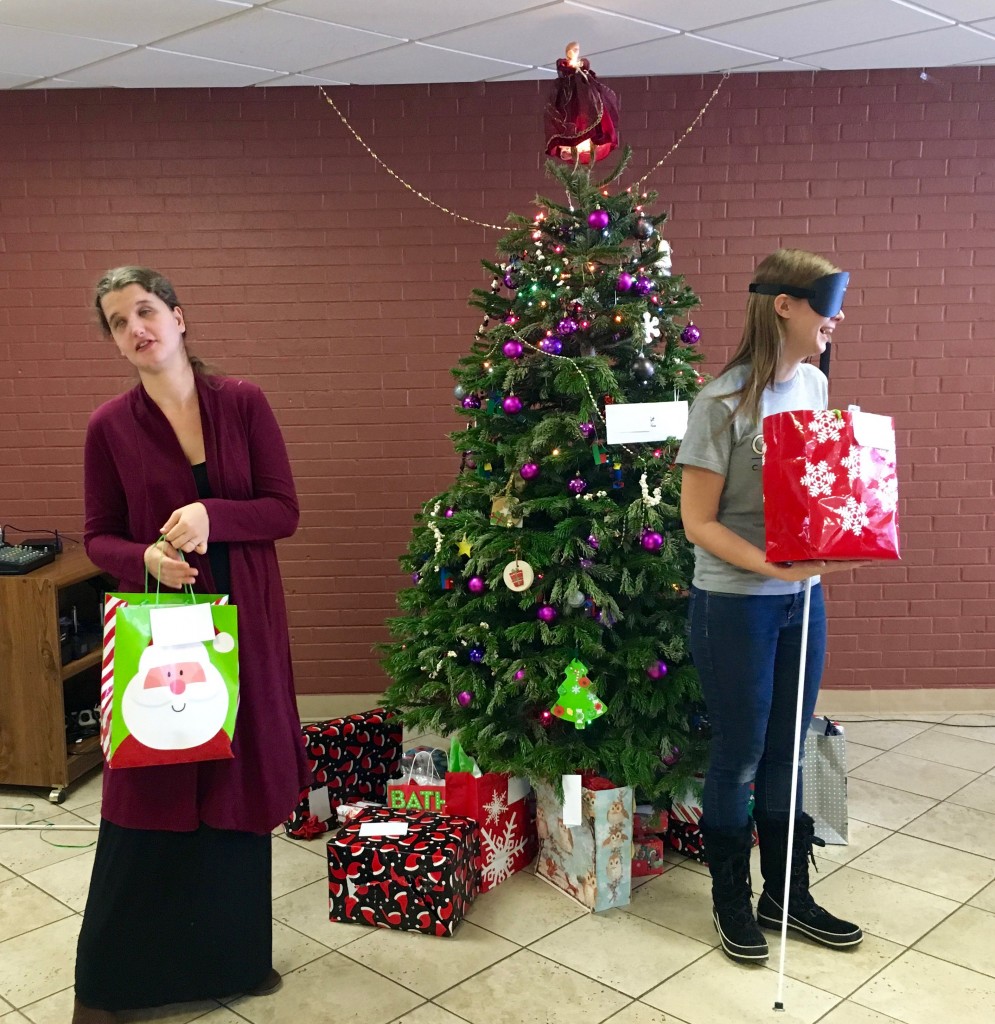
(485, 224)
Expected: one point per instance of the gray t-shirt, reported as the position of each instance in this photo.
(734, 450)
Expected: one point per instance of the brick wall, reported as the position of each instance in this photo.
(304, 267)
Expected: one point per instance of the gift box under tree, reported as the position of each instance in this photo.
(684, 826)
(351, 758)
(423, 881)
(830, 486)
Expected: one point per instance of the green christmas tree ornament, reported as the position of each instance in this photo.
(577, 703)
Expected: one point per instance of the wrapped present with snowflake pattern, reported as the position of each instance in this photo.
(423, 880)
(830, 486)
(350, 759)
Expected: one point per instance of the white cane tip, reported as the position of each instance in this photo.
(779, 1007)
(224, 642)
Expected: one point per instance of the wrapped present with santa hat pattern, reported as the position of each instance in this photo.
(423, 880)
(351, 758)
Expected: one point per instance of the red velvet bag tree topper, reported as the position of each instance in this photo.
(830, 486)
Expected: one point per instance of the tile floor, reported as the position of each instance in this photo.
(919, 875)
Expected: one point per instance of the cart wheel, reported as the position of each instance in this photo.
(57, 795)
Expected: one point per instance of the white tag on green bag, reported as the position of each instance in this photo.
(181, 624)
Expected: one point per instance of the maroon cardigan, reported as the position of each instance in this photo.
(135, 476)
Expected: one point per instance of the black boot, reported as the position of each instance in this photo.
(728, 853)
(804, 914)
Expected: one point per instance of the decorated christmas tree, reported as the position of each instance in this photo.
(557, 546)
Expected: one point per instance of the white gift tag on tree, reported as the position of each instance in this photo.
(645, 421)
(173, 625)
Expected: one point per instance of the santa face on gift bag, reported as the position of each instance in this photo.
(177, 700)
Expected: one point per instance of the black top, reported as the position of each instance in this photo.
(217, 553)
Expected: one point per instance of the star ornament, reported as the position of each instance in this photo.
(464, 546)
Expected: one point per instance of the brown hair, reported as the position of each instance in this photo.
(155, 284)
(760, 347)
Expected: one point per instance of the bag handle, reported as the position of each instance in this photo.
(186, 588)
(422, 763)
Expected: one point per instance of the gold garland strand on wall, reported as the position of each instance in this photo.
(394, 174)
(485, 224)
(690, 128)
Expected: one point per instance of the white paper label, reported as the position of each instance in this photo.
(571, 801)
(383, 828)
(319, 803)
(518, 789)
(873, 431)
(645, 421)
(181, 624)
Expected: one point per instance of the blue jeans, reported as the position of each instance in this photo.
(746, 650)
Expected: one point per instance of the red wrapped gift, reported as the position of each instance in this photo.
(499, 804)
(830, 487)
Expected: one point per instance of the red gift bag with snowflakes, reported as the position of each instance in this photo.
(499, 804)
(830, 486)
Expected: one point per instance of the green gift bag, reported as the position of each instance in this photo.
(169, 683)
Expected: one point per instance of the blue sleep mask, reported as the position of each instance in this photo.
(824, 294)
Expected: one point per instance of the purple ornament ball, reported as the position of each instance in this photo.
(652, 541)
(449, 512)
(567, 325)
(512, 405)
(471, 402)
(552, 346)
(416, 577)
(577, 485)
(690, 335)
(519, 675)
(476, 654)
(598, 219)
(643, 285)
(512, 349)
(662, 668)
(653, 671)
(625, 281)
(593, 542)
(547, 613)
(465, 698)
(475, 585)
(545, 719)
(529, 471)
(587, 431)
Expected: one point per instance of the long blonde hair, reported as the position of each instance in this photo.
(760, 347)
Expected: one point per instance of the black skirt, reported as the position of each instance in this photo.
(173, 917)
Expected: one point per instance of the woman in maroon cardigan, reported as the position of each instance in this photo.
(179, 902)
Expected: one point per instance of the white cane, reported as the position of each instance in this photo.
(779, 1001)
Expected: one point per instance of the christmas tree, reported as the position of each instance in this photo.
(552, 545)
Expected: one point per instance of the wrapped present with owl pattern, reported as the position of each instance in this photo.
(830, 486)
(592, 862)
(422, 881)
(350, 759)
